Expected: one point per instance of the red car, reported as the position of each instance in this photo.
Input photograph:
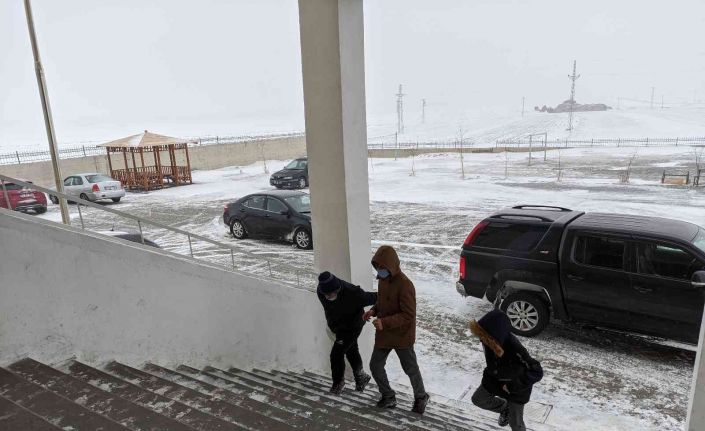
(22, 198)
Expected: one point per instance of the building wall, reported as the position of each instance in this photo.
(202, 157)
(68, 292)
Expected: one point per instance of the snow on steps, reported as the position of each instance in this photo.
(77, 396)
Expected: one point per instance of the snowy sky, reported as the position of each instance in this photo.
(115, 67)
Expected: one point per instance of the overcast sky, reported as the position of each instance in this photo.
(116, 67)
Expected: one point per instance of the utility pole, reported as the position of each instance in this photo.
(46, 108)
(423, 111)
(523, 99)
(400, 111)
(573, 78)
(652, 97)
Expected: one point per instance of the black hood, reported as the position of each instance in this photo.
(497, 325)
(289, 172)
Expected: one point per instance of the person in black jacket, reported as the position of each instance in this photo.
(510, 373)
(344, 304)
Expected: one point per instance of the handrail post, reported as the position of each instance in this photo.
(269, 266)
(78, 206)
(232, 258)
(139, 224)
(6, 195)
(190, 246)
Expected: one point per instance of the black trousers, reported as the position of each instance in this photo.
(345, 346)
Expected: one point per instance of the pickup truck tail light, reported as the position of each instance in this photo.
(462, 267)
(474, 233)
(96, 188)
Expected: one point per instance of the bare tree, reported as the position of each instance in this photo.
(625, 176)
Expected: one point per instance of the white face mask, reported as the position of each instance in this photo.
(331, 297)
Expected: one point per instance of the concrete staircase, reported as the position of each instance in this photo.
(76, 396)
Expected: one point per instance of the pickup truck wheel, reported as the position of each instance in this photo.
(527, 313)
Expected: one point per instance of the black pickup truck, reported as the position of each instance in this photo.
(634, 273)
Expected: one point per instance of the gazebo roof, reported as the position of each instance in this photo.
(144, 140)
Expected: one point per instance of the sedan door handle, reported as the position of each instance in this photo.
(574, 277)
(642, 289)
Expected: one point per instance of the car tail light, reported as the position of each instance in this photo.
(475, 232)
(96, 188)
(462, 267)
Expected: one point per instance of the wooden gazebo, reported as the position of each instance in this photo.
(154, 173)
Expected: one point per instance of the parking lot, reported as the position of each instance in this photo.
(619, 381)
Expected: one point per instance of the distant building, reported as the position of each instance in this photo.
(577, 107)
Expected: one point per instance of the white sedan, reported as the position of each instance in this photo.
(92, 187)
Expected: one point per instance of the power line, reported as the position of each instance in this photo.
(573, 78)
(400, 110)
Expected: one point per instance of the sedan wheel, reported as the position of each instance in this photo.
(302, 239)
(527, 313)
(237, 229)
(302, 183)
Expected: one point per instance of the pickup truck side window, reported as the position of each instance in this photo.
(666, 261)
(599, 251)
(510, 236)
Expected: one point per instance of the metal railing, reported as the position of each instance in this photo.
(266, 268)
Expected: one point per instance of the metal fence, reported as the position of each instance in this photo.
(19, 157)
(70, 152)
(603, 142)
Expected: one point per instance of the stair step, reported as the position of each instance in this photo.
(321, 415)
(366, 401)
(51, 407)
(221, 409)
(265, 407)
(124, 412)
(167, 407)
(433, 411)
(14, 417)
(378, 418)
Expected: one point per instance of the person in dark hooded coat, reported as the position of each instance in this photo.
(510, 373)
(343, 304)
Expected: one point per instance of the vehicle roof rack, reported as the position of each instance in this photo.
(541, 207)
(520, 217)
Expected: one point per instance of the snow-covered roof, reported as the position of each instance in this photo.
(144, 140)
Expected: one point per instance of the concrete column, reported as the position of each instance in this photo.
(696, 407)
(333, 63)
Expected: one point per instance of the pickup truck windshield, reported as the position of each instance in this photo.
(699, 240)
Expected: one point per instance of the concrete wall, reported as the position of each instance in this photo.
(67, 292)
(202, 157)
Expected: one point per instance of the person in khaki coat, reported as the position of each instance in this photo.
(395, 326)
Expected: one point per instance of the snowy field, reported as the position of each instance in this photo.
(595, 380)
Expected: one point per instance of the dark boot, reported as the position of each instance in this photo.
(420, 404)
(361, 381)
(337, 388)
(503, 420)
(387, 402)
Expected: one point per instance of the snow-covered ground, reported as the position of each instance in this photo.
(479, 127)
(486, 126)
(595, 380)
